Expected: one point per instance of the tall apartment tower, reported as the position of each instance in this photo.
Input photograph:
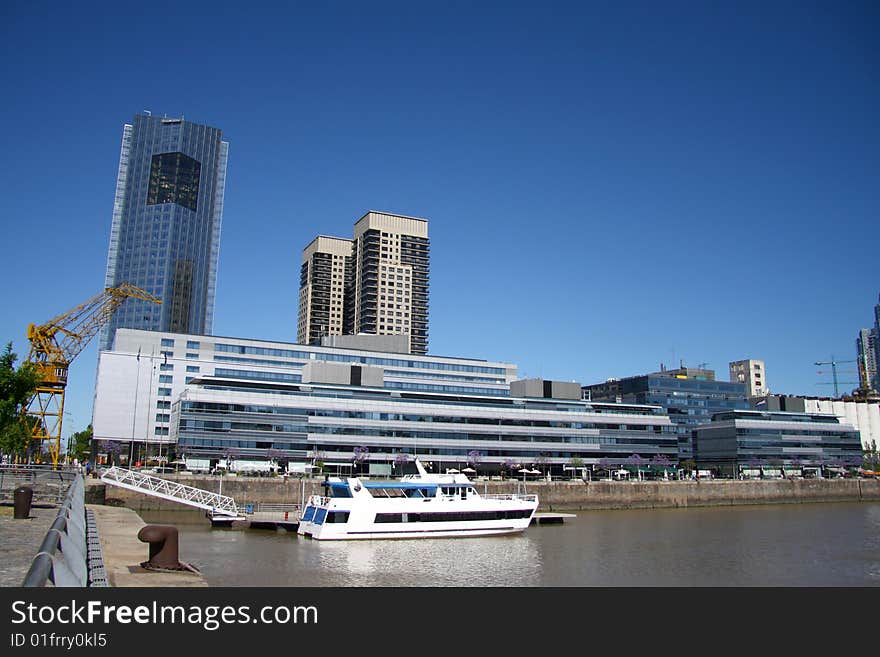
(324, 284)
(390, 291)
(165, 233)
(868, 347)
(867, 344)
(752, 373)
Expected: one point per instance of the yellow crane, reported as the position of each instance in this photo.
(54, 345)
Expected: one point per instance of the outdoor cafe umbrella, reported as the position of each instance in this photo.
(468, 470)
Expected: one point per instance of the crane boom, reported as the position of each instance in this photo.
(54, 345)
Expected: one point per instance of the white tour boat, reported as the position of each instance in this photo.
(416, 506)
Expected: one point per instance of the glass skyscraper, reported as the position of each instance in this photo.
(165, 234)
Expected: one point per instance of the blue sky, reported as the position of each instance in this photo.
(610, 186)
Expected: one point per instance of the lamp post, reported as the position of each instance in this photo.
(137, 382)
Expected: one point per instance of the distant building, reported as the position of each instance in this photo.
(867, 345)
(391, 258)
(325, 280)
(207, 397)
(751, 372)
(863, 415)
(376, 283)
(775, 441)
(868, 348)
(690, 397)
(165, 232)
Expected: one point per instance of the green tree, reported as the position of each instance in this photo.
(16, 389)
(81, 444)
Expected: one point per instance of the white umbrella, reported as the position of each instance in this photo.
(468, 470)
(451, 471)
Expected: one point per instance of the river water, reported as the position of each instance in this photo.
(773, 545)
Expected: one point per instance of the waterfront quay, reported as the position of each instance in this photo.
(553, 496)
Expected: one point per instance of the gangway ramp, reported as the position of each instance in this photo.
(217, 504)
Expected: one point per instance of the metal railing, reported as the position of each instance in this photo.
(511, 496)
(49, 484)
(70, 554)
(219, 505)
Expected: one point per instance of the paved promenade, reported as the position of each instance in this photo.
(123, 552)
(21, 540)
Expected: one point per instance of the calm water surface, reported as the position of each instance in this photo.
(778, 545)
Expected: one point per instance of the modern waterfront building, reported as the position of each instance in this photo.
(326, 276)
(689, 396)
(751, 372)
(756, 442)
(165, 231)
(328, 421)
(391, 262)
(146, 371)
(211, 397)
(863, 415)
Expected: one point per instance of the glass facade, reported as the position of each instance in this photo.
(690, 402)
(215, 416)
(165, 231)
(742, 440)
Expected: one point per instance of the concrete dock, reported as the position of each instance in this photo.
(123, 551)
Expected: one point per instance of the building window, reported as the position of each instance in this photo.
(166, 367)
(174, 178)
(190, 344)
(192, 368)
(165, 378)
(164, 392)
(167, 342)
(190, 355)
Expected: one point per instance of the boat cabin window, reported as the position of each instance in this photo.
(340, 490)
(419, 492)
(387, 492)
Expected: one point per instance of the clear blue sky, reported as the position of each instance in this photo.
(610, 186)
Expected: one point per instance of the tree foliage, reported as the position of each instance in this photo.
(81, 444)
(16, 389)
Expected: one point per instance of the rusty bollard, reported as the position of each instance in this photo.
(22, 498)
(163, 547)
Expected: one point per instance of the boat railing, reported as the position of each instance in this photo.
(511, 496)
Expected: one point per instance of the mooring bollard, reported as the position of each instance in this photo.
(22, 498)
(163, 547)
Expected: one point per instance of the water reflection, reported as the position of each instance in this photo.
(782, 545)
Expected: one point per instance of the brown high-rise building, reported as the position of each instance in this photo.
(375, 284)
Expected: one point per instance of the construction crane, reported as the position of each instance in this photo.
(833, 364)
(54, 345)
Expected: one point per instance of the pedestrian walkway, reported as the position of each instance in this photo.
(21, 540)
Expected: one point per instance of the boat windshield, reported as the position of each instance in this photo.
(340, 489)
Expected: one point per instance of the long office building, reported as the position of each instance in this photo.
(165, 230)
(787, 443)
(209, 397)
(864, 415)
(690, 396)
